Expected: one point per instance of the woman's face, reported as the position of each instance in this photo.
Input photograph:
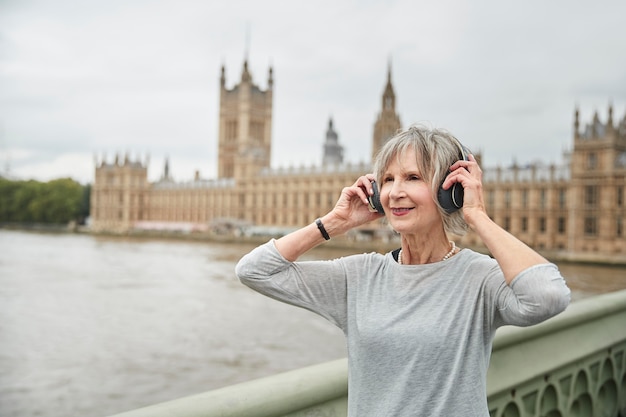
(407, 198)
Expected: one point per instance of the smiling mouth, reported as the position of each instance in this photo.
(401, 210)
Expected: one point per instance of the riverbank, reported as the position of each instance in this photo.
(342, 242)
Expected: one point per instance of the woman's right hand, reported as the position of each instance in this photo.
(350, 211)
(352, 207)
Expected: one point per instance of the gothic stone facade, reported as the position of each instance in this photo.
(576, 207)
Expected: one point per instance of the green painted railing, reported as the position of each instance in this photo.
(572, 365)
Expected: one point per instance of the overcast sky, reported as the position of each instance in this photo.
(80, 78)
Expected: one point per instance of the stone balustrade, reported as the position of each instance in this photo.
(572, 365)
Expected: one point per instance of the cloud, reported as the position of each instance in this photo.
(80, 78)
(78, 166)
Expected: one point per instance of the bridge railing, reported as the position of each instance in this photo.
(571, 365)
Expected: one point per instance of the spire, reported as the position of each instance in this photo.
(388, 121)
(576, 122)
(270, 78)
(389, 97)
(166, 169)
(333, 151)
(246, 51)
(331, 135)
(223, 77)
(245, 74)
(610, 121)
(596, 118)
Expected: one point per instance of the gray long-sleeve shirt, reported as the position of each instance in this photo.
(419, 336)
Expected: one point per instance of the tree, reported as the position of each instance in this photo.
(58, 201)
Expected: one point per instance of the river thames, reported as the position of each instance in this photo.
(91, 326)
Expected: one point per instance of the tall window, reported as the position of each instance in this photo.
(524, 224)
(591, 226)
(619, 197)
(562, 197)
(592, 161)
(542, 198)
(619, 227)
(256, 130)
(524, 198)
(542, 224)
(231, 129)
(561, 225)
(507, 198)
(591, 195)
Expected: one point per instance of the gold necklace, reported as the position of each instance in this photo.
(446, 256)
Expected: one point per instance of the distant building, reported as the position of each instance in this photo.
(333, 151)
(577, 206)
(388, 122)
(245, 126)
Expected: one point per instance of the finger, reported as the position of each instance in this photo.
(458, 175)
(469, 166)
(360, 189)
(365, 182)
(459, 164)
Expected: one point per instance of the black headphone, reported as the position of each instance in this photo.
(450, 200)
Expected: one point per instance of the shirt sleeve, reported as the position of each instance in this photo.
(535, 294)
(318, 286)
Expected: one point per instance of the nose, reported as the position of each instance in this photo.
(396, 191)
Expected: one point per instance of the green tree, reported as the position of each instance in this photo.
(7, 196)
(58, 201)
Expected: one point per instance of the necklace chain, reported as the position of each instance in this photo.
(446, 256)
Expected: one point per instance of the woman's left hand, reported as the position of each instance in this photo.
(469, 175)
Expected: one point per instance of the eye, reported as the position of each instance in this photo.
(387, 179)
(414, 177)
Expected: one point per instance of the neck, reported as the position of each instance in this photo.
(425, 251)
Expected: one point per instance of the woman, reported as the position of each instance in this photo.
(419, 321)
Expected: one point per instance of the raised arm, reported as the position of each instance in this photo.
(513, 255)
(350, 211)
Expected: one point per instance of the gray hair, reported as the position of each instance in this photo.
(435, 151)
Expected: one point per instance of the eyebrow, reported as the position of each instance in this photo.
(405, 172)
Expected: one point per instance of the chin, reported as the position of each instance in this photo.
(402, 227)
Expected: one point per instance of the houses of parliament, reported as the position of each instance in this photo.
(576, 207)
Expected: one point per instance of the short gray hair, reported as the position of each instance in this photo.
(435, 151)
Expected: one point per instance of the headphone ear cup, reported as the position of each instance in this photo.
(451, 199)
(374, 199)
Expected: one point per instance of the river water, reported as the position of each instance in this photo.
(91, 326)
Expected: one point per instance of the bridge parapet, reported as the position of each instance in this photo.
(571, 365)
